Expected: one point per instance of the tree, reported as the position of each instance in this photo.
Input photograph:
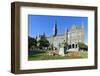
(83, 46)
(31, 42)
(43, 42)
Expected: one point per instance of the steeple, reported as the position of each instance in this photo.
(66, 30)
(55, 29)
(66, 34)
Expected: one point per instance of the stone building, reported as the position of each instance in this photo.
(71, 37)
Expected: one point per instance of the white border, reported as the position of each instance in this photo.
(25, 64)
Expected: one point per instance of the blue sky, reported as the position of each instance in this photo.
(39, 24)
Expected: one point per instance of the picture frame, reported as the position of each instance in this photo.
(19, 18)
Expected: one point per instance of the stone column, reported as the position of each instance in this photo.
(74, 45)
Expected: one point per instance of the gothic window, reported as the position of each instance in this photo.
(69, 46)
(72, 45)
(76, 45)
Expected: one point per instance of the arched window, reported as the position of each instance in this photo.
(76, 45)
(72, 45)
(69, 46)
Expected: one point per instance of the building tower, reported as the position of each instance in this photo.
(66, 35)
(55, 29)
(66, 38)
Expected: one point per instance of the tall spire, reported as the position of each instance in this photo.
(66, 35)
(55, 29)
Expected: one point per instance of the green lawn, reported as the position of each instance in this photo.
(84, 54)
(45, 56)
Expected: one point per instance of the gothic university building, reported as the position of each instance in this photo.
(71, 37)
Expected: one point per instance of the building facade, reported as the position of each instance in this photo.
(71, 37)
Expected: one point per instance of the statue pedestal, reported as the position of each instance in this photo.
(61, 52)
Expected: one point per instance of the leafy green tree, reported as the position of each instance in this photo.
(31, 42)
(43, 42)
(83, 46)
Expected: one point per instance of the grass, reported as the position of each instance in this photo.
(84, 54)
(45, 56)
